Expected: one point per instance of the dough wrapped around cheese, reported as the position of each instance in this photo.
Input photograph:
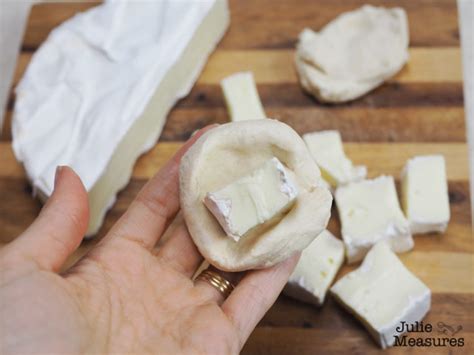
(230, 151)
(353, 54)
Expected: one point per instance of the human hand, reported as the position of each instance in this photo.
(126, 295)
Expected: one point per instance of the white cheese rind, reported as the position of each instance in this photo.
(328, 152)
(316, 269)
(369, 212)
(241, 97)
(382, 293)
(425, 196)
(95, 96)
(253, 199)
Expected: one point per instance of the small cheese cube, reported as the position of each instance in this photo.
(259, 197)
(316, 269)
(369, 211)
(383, 293)
(241, 97)
(425, 194)
(328, 152)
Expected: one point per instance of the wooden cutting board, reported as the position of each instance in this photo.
(420, 111)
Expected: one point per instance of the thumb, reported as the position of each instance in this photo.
(59, 228)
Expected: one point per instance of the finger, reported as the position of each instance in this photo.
(180, 252)
(255, 294)
(209, 292)
(155, 205)
(59, 228)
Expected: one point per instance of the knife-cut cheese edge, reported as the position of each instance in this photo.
(316, 269)
(382, 293)
(241, 97)
(425, 196)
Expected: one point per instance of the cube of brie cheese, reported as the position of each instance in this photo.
(383, 293)
(241, 97)
(425, 194)
(316, 269)
(369, 212)
(254, 199)
(328, 152)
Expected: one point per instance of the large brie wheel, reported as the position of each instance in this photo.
(229, 152)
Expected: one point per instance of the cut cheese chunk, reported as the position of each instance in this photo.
(425, 194)
(369, 212)
(316, 269)
(252, 200)
(97, 92)
(328, 152)
(241, 97)
(383, 293)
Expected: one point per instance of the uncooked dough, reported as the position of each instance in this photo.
(353, 54)
(230, 151)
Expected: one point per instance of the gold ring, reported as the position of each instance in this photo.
(216, 281)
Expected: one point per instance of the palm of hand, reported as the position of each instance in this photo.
(126, 295)
(142, 301)
(119, 300)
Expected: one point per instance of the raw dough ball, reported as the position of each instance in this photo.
(353, 54)
(230, 151)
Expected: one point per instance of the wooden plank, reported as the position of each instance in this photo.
(277, 66)
(288, 312)
(44, 17)
(284, 341)
(16, 215)
(389, 95)
(380, 158)
(276, 77)
(21, 209)
(357, 124)
(291, 95)
(6, 134)
(431, 22)
(444, 262)
(441, 271)
(289, 318)
(276, 24)
(426, 65)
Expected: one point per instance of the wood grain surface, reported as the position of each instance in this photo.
(420, 111)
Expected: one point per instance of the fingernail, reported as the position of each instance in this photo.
(57, 174)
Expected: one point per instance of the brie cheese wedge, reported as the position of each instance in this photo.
(369, 212)
(253, 200)
(97, 92)
(425, 194)
(353, 54)
(316, 269)
(241, 97)
(328, 152)
(382, 293)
